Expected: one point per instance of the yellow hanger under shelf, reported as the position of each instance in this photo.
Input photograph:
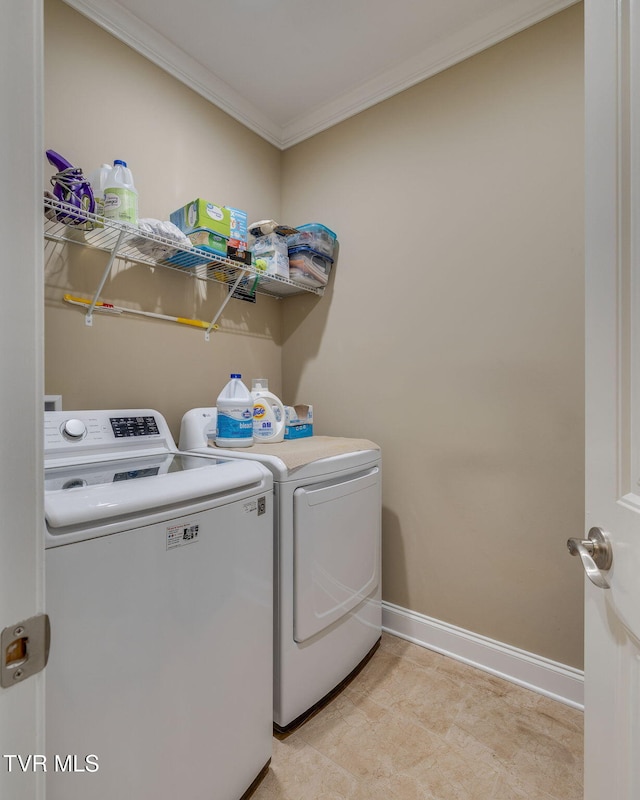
(108, 307)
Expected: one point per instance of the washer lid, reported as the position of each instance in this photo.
(89, 493)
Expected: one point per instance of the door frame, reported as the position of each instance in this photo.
(21, 387)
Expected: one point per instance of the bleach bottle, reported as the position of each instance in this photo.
(234, 423)
(268, 413)
(120, 195)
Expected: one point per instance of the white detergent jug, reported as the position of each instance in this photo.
(120, 195)
(98, 181)
(268, 413)
(234, 423)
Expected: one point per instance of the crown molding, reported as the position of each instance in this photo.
(135, 33)
(482, 34)
(440, 56)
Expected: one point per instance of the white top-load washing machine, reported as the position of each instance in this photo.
(327, 604)
(159, 581)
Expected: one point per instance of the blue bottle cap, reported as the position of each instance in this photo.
(236, 375)
(119, 161)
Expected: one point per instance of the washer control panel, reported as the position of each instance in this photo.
(72, 431)
(133, 426)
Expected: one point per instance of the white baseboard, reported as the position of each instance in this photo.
(539, 674)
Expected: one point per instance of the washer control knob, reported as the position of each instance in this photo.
(74, 429)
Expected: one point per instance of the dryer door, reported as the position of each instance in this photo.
(336, 549)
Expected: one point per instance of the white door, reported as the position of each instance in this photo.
(21, 403)
(612, 647)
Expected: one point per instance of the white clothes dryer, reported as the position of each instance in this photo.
(159, 587)
(327, 547)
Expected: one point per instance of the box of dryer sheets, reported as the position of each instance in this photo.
(202, 214)
(238, 224)
(298, 421)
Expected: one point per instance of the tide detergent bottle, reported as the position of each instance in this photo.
(268, 413)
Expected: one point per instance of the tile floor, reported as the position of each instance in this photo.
(415, 725)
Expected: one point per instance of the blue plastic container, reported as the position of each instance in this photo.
(314, 236)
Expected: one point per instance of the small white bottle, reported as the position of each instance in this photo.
(120, 195)
(268, 413)
(234, 419)
(98, 181)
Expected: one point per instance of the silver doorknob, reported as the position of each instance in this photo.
(596, 554)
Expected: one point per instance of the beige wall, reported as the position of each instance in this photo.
(104, 101)
(453, 330)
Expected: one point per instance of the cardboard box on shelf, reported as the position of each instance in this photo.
(238, 223)
(201, 213)
(208, 240)
(298, 421)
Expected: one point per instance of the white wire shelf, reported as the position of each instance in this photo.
(127, 242)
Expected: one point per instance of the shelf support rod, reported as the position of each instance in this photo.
(88, 320)
(241, 274)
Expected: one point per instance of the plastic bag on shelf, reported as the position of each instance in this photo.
(164, 229)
